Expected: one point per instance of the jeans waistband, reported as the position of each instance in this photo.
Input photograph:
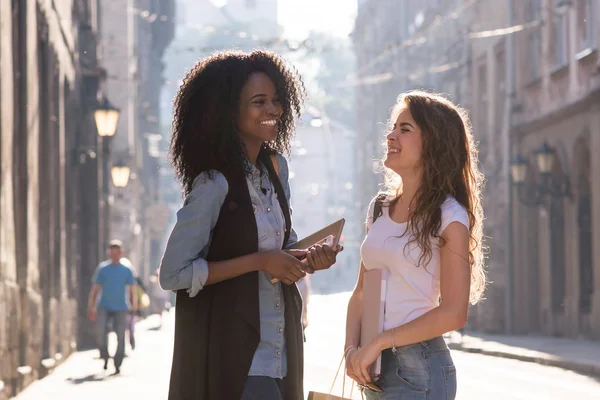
(435, 344)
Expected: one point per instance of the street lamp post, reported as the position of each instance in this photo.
(106, 117)
(90, 158)
(533, 194)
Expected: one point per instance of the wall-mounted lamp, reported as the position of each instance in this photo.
(120, 173)
(548, 185)
(106, 116)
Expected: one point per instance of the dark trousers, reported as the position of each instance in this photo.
(263, 387)
(118, 321)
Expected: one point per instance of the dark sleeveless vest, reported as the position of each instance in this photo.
(217, 332)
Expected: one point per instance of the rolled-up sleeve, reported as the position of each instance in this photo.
(284, 177)
(183, 264)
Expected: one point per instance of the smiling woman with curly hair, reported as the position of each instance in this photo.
(207, 109)
(234, 117)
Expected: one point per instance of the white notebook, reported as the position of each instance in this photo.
(373, 312)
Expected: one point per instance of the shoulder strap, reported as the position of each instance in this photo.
(377, 207)
(271, 163)
(275, 163)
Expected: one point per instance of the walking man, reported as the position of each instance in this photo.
(116, 283)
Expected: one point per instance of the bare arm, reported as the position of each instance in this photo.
(219, 271)
(92, 301)
(278, 264)
(93, 297)
(354, 314)
(133, 297)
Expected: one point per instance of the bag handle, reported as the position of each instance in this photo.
(343, 380)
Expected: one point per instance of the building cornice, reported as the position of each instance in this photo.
(537, 123)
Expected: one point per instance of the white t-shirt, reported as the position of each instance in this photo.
(412, 290)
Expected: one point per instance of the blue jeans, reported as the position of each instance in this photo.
(118, 319)
(422, 371)
(263, 387)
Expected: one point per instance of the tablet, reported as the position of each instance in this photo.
(330, 235)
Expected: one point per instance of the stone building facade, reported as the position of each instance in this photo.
(55, 170)
(44, 153)
(557, 101)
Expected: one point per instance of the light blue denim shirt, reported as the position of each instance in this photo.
(184, 263)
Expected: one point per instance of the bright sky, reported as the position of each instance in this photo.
(298, 17)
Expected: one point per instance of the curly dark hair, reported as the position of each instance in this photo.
(204, 126)
(450, 167)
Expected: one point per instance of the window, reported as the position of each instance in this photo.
(535, 41)
(20, 141)
(560, 34)
(584, 225)
(482, 111)
(557, 255)
(495, 134)
(586, 271)
(585, 24)
(500, 85)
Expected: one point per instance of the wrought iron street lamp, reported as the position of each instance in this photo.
(547, 185)
(120, 173)
(106, 117)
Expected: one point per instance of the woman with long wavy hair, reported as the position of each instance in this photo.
(425, 232)
(238, 331)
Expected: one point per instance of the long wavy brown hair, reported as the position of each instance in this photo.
(449, 161)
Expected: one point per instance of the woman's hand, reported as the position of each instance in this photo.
(349, 368)
(361, 362)
(321, 257)
(283, 266)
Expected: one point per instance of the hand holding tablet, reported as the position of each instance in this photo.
(318, 250)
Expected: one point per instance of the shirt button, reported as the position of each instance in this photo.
(280, 330)
(277, 304)
(278, 233)
(269, 209)
(278, 353)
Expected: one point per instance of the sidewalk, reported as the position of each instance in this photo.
(144, 375)
(146, 371)
(581, 356)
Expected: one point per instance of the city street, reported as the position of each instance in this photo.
(146, 370)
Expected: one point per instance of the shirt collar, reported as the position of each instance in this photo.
(256, 174)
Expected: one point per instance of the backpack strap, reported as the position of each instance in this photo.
(377, 211)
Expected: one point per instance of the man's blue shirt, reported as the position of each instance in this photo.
(114, 279)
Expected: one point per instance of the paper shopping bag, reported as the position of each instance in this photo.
(325, 396)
